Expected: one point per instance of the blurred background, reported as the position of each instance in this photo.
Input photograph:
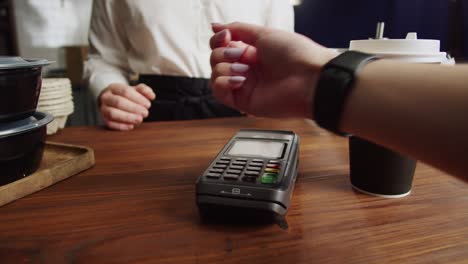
(57, 30)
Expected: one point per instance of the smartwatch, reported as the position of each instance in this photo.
(334, 85)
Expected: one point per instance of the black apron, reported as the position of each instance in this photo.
(183, 98)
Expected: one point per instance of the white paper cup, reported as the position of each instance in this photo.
(374, 169)
(410, 49)
(56, 98)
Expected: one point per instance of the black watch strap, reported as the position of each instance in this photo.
(334, 85)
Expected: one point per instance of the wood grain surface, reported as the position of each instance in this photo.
(59, 162)
(137, 205)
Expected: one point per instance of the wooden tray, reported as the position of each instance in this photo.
(59, 162)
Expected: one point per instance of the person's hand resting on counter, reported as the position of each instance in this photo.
(417, 109)
(123, 106)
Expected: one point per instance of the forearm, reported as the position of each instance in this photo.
(420, 110)
(100, 75)
(107, 62)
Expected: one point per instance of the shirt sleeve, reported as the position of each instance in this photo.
(107, 60)
(281, 15)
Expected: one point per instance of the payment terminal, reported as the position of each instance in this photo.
(255, 170)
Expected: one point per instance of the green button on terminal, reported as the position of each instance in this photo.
(268, 178)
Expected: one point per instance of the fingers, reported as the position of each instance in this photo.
(122, 103)
(220, 39)
(230, 69)
(123, 107)
(217, 27)
(217, 56)
(231, 59)
(118, 126)
(238, 53)
(117, 115)
(223, 90)
(250, 52)
(226, 78)
(131, 94)
(146, 91)
(247, 33)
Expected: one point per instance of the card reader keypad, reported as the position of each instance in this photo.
(256, 171)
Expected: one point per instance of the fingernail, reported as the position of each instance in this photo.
(239, 67)
(220, 36)
(236, 79)
(233, 53)
(214, 24)
(145, 113)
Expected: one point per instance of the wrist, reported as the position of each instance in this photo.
(311, 85)
(334, 85)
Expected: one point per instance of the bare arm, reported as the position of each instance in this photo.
(417, 109)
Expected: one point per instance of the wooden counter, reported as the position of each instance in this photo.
(138, 205)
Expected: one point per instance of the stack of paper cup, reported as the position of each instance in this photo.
(56, 98)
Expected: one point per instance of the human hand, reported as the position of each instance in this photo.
(266, 72)
(123, 107)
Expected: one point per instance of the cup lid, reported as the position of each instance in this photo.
(410, 47)
(35, 121)
(9, 62)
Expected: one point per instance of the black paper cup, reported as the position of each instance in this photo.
(379, 171)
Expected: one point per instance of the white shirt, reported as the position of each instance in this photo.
(166, 37)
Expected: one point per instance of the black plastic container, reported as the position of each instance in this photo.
(21, 146)
(20, 86)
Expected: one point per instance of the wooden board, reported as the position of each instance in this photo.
(60, 161)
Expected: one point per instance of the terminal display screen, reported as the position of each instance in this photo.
(265, 149)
